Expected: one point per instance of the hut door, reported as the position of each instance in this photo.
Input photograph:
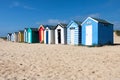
(72, 36)
(46, 37)
(26, 37)
(59, 36)
(41, 35)
(29, 37)
(89, 35)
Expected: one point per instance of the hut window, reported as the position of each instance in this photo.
(72, 28)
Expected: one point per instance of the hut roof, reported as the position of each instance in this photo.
(62, 25)
(101, 20)
(50, 27)
(26, 28)
(43, 26)
(9, 33)
(34, 29)
(21, 31)
(78, 22)
(16, 32)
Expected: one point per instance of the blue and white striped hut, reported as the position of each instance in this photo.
(74, 33)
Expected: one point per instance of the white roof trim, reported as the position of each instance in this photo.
(40, 26)
(89, 18)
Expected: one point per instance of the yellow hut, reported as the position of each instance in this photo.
(21, 36)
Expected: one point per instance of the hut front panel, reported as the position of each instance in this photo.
(62, 35)
(46, 36)
(9, 37)
(22, 37)
(41, 34)
(25, 35)
(29, 36)
(94, 37)
(73, 31)
(12, 37)
(35, 37)
(16, 37)
(52, 37)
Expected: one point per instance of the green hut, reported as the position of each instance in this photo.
(33, 35)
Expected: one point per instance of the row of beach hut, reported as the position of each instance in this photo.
(92, 31)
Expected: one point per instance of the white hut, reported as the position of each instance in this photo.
(16, 36)
(49, 35)
(9, 36)
(12, 37)
(61, 34)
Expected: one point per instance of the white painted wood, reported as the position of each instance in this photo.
(72, 36)
(51, 36)
(45, 37)
(62, 35)
(89, 35)
(28, 37)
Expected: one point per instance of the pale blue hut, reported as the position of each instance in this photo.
(25, 35)
(96, 32)
(74, 33)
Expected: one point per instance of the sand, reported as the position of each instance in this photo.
(22, 61)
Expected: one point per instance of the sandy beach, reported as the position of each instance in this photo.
(22, 61)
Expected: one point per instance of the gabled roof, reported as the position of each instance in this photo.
(51, 27)
(21, 31)
(9, 33)
(16, 32)
(42, 26)
(77, 22)
(101, 20)
(33, 29)
(26, 28)
(97, 20)
(62, 25)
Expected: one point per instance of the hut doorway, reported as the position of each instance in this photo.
(29, 37)
(46, 37)
(89, 35)
(41, 34)
(72, 36)
(59, 36)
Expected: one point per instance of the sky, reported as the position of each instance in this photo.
(16, 15)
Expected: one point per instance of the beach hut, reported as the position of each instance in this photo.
(61, 34)
(12, 37)
(97, 32)
(33, 35)
(41, 33)
(21, 36)
(74, 33)
(16, 36)
(9, 36)
(25, 35)
(49, 35)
